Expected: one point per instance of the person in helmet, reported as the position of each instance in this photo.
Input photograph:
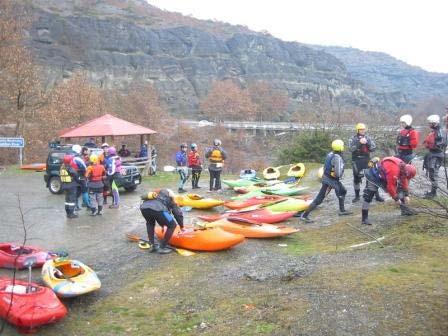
(216, 156)
(436, 143)
(80, 166)
(393, 175)
(69, 176)
(160, 207)
(195, 164)
(113, 173)
(407, 139)
(182, 167)
(102, 159)
(95, 174)
(331, 179)
(361, 145)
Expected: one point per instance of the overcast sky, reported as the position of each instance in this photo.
(413, 31)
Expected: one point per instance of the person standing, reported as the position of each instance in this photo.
(361, 145)
(102, 158)
(216, 156)
(182, 166)
(407, 139)
(79, 165)
(195, 164)
(393, 175)
(160, 207)
(124, 151)
(68, 177)
(95, 174)
(436, 143)
(113, 169)
(331, 179)
(153, 169)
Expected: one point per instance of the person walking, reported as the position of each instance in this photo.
(361, 145)
(68, 177)
(160, 207)
(113, 173)
(195, 164)
(331, 179)
(182, 167)
(216, 156)
(407, 139)
(95, 175)
(393, 175)
(80, 166)
(436, 143)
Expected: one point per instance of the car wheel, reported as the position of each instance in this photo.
(132, 188)
(55, 185)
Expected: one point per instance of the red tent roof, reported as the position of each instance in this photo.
(106, 125)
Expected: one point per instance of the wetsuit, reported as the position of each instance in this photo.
(182, 169)
(436, 143)
(69, 176)
(94, 175)
(407, 141)
(216, 156)
(195, 164)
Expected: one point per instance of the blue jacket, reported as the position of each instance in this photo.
(181, 158)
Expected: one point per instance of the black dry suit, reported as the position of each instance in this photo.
(436, 143)
(69, 180)
(161, 210)
(333, 172)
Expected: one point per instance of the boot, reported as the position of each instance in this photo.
(406, 211)
(164, 249)
(344, 212)
(181, 190)
(378, 197)
(94, 211)
(72, 215)
(304, 218)
(100, 208)
(357, 198)
(431, 194)
(365, 218)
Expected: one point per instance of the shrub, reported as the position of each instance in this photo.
(310, 146)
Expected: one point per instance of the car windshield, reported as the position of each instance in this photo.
(56, 158)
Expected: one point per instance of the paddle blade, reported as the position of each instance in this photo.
(185, 253)
(133, 238)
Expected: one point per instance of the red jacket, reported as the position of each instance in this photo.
(408, 138)
(392, 168)
(194, 159)
(95, 173)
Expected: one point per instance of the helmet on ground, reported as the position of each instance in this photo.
(434, 119)
(183, 145)
(410, 171)
(360, 126)
(407, 119)
(105, 145)
(67, 159)
(337, 145)
(193, 146)
(217, 142)
(112, 151)
(77, 149)
(94, 158)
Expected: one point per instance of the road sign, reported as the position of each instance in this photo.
(12, 142)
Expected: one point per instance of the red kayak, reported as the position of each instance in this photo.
(32, 305)
(9, 252)
(256, 200)
(254, 216)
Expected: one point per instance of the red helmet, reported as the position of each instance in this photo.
(67, 159)
(410, 171)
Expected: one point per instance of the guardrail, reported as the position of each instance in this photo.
(143, 163)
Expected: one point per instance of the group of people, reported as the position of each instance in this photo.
(192, 160)
(91, 176)
(392, 173)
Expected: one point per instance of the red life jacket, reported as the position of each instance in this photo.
(407, 138)
(95, 173)
(430, 140)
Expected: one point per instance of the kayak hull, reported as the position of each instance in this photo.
(264, 199)
(239, 183)
(253, 216)
(76, 278)
(210, 240)
(29, 310)
(199, 203)
(9, 252)
(253, 230)
(297, 170)
(34, 166)
(291, 204)
(286, 191)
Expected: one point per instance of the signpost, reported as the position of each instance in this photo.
(13, 143)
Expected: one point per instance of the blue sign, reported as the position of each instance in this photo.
(12, 142)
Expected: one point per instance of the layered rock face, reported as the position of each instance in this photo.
(118, 41)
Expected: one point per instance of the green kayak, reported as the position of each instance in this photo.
(290, 204)
(241, 182)
(248, 195)
(286, 191)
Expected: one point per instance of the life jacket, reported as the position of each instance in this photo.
(96, 173)
(430, 140)
(404, 138)
(65, 176)
(328, 167)
(216, 156)
(194, 159)
(382, 173)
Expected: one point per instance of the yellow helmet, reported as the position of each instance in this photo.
(94, 158)
(360, 126)
(337, 145)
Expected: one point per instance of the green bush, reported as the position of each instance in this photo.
(311, 146)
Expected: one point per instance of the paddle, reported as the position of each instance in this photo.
(137, 239)
(256, 207)
(59, 272)
(29, 262)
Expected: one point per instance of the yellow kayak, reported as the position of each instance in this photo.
(297, 170)
(69, 278)
(197, 201)
(271, 173)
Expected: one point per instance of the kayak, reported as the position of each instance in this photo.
(208, 239)
(242, 182)
(290, 204)
(253, 216)
(69, 278)
(263, 199)
(9, 252)
(271, 173)
(297, 170)
(197, 201)
(32, 305)
(34, 166)
(249, 230)
(320, 173)
(248, 174)
(290, 191)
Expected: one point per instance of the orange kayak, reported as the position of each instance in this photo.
(34, 166)
(264, 199)
(249, 230)
(208, 239)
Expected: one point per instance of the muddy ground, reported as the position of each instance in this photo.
(310, 283)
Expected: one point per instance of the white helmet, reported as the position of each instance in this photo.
(77, 149)
(407, 119)
(217, 142)
(434, 119)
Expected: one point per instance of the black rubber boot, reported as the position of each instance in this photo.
(365, 217)
(100, 209)
(406, 211)
(304, 218)
(94, 212)
(378, 197)
(431, 194)
(357, 198)
(344, 212)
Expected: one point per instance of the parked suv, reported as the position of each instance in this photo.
(129, 180)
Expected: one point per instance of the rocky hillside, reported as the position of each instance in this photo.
(118, 41)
